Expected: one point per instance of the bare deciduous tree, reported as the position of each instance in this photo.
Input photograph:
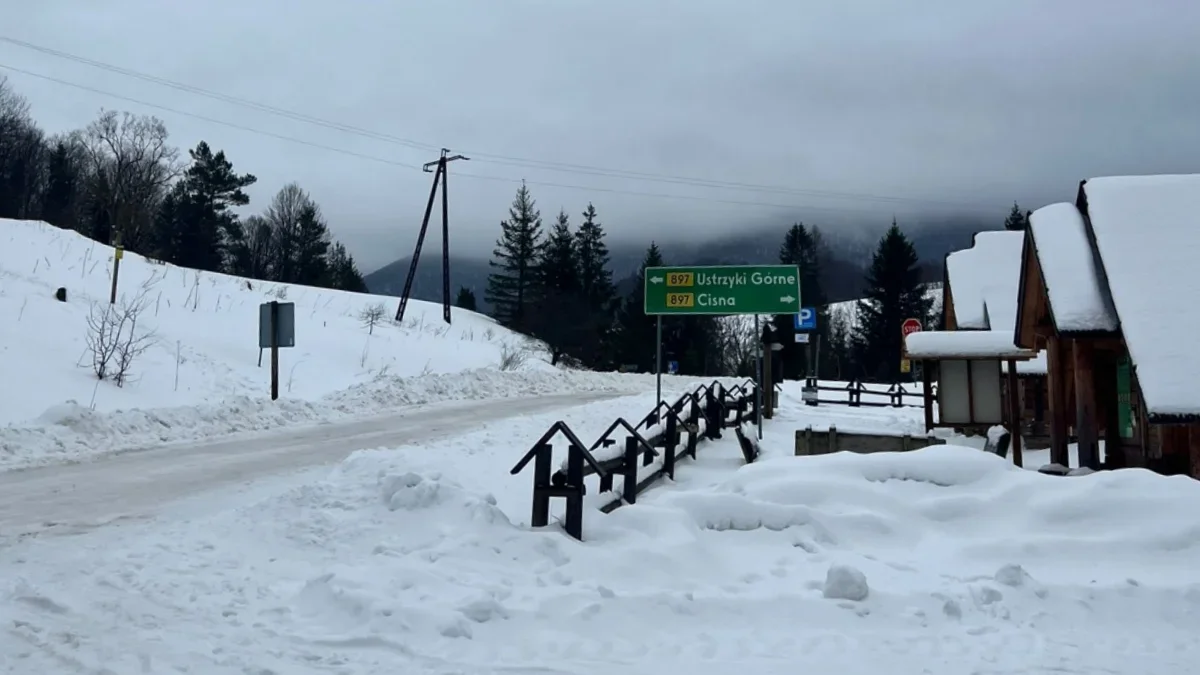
(131, 165)
(737, 342)
(371, 316)
(114, 338)
(284, 215)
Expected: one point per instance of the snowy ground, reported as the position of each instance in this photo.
(418, 559)
(201, 378)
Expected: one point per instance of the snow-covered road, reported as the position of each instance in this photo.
(135, 485)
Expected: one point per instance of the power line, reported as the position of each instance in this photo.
(381, 160)
(212, 120)
(482, 157)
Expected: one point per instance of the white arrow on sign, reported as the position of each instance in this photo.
(656, 280)
(788, 299)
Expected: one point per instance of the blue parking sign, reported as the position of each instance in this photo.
(672, 367)
(807, 319)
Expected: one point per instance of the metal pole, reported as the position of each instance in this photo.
(758, 390)
(274, 350)
(112, 299)
(445, 243)
(658, 363)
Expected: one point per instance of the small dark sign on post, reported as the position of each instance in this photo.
(276, 330)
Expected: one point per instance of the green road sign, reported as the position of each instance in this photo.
(731, 289)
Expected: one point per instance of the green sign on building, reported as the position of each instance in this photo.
(1125, 398)
(731, 289)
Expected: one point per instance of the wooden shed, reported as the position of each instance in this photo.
(1108, 289)
(975, 358)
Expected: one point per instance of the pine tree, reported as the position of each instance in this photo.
(64, 184)
(595, 279)
(343, 273)
(1017, 220)
(557, 266)
(801, 247)
(562, 315)
(635, 331)
(312, 247)
(894, 293)
(511, 287)
(208, 234)
(466, 299)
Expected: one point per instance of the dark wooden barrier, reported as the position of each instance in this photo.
(698, 415)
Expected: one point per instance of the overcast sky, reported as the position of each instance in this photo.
(856, 109)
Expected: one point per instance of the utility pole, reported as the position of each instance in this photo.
(438, 168)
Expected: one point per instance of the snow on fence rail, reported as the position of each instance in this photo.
(649, 451)
(879, 395)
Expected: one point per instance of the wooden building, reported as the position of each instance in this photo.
(975, 358)
(1108, 289)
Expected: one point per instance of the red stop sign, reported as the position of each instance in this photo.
(909, 327)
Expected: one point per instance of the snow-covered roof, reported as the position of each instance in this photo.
(964, 344)
(1078, 298)
(1147, 231)
(984, 281)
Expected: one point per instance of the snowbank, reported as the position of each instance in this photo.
(71, 432)
(419, 559)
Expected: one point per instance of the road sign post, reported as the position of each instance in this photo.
(276, 330)
(806, 323)
(907, 328)
(723, 290)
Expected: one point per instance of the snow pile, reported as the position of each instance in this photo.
(419, 560)
(1146, 231)
(71, 432)
(1078, 299)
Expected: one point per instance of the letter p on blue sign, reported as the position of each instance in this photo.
(807, 319)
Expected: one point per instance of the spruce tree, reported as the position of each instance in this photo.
(894, 293)
(64, 183)
(1016, 220)
(801, 247)
(312, 247)
(557, 266)
(595, 278)
(635, 331)
(561, 315)
(343, 273)
(466, 299)
(512, 285)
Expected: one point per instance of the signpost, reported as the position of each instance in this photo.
(720, 290)
(117, 255)
(276, 329)
(735, 289)
(907, 328)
